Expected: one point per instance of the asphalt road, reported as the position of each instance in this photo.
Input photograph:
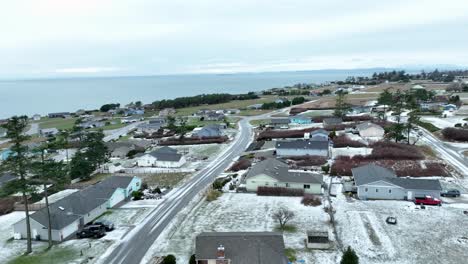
(446, 151)
(137, 242)
(116, 133)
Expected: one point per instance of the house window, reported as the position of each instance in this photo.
(287, 184)
(376, 190)
(306, 186)
(389, 191)
(366, 190)
(266, 184)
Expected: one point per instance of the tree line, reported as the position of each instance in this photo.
(203, 99)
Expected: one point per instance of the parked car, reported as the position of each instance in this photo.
(108, 225)
(428, 200)
(451, 193)
(95, 231)
(391, 220)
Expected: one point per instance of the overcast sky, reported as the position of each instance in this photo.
(141, 37)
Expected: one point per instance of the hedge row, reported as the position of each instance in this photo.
(279, 191)
(241, 164)
(457, 134)
(343, 141)
(193, 141)
(307, 160)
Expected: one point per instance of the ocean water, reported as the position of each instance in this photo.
(43, 96)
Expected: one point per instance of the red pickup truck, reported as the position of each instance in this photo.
(428, 200)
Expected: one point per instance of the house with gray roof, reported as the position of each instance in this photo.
(72, 212)
(376, 182)
(370, 130)
(302, 147)
(48, 132)
(240, 248)
(165, 157)
(4, 178)
(275, 173)
(208, 131)
(280, 123)
(320, 135)
(332, 121)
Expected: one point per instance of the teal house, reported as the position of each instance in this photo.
(301, 120)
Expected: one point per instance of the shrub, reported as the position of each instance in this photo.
(349, 257)
(391, 150)
(218, 184)
(326, 168)
(169, 259)
(457, 134)
(311, 200)
(428, 126)
(241, 164)
(213, 195)
(193, 259)
(279, 191)
(137, 195)
(290, 254)
(343, 141)
(308, 160)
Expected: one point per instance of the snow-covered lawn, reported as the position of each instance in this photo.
(350, 151)
(441, 122)
(239, 212)
(427, 236)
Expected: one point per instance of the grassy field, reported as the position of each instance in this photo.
(55, 255)
(260, 122)
(59, 123)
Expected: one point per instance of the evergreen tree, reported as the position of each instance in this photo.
(341, 106)
(193, 260)
(385, 99)
(349, 257)
(169, 259)
(19, 164)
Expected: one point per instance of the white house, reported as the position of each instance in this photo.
(375, 182)
(164, 157)
(302, 148)
(370, 130)
(36, 117)
(274, 173)
(71, 213)
(48, 132)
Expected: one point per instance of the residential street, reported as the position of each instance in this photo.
(116, 133)
(134, 246)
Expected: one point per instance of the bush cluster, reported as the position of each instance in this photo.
(308, 160)
(193, 141)
(311, 200)
(343, 141)
(241, 164)
(457, 134)
(212, 195)
(279, 191)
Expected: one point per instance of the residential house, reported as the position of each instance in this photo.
(240, 248)
(255, 106)
(319, 135)
(36, 117)
(302, 148)
(167, 112)
(71, 213)
(3, 132)
(430, 106)
(48, 132)
(164, 157)
(418, 87)
(318, 240)
(332, 121)
(207, 131)
(121, 149)
(280, 123)
(359, 110)
(213, 116)
(153, 125)
(301, 120)
(134, 111)
(92, 124)
(281, 100)
(132, 119)
(376, 182)
(59, 115)
(232, 111)
(274, 173)
(370, 130)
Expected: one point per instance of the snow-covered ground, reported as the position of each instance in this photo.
(244, 212)
(441, 122)
(350, 151)
(427, 236)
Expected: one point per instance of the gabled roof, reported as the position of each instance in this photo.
(69, 209)
(333, 120)
(319, 131)
(280, 171)
(6, 178)
(370, 173)
(166, 154)
(302, 144)
(242, 247)
(301, 117)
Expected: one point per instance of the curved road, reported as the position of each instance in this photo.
(135, 245)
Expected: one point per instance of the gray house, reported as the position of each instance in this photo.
(332, 121)
(302, 148)
(240, 248)
(280, 122)
(320, 135)
(274, 173)
(375, 182)
(69, 214)
(208, 131)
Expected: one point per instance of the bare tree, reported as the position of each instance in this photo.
(283, 216)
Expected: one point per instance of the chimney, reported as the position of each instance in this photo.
(220, 254)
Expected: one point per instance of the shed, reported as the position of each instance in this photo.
(318, 240)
